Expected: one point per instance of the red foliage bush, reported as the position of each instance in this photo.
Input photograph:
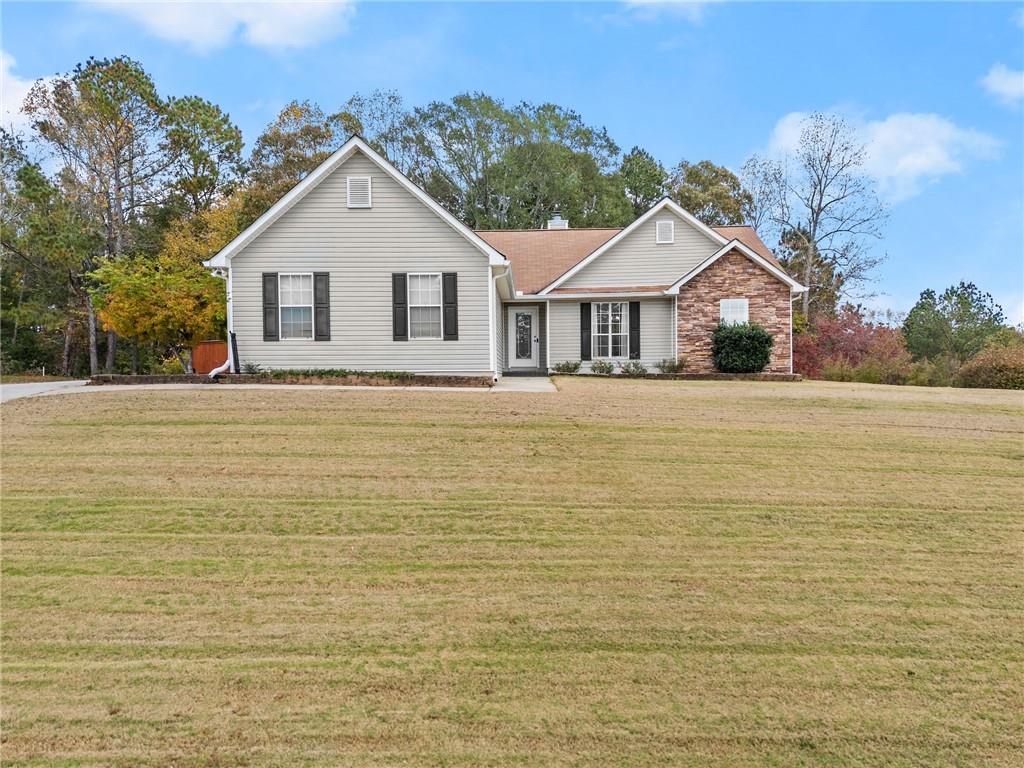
(850, 348)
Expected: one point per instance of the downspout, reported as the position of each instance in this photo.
(230, 361)
(494, 306)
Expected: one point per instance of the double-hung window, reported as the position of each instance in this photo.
(611, 336)
(296, 301)
(425, 306)
(734, 311)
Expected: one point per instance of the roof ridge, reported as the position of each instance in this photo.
(574, 229)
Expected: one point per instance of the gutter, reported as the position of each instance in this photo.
(230, 326)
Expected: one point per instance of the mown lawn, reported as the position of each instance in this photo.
(629, 573)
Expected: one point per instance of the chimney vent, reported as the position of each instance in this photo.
(557, 222)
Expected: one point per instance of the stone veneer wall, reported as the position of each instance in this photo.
(733, 276)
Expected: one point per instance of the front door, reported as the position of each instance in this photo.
(523, 337)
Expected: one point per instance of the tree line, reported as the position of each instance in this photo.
(102, 250)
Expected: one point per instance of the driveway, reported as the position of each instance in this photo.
(14, 391)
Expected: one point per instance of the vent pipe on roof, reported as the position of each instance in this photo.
(557, 222)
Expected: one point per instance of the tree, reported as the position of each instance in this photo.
(710, 192)
(381, 118)
(796, 252)
(959, 323)
(300, 138)
(824, 195)
(106, 122)
(478, 156)
(207, 151)
(643, 178)
(46, 243)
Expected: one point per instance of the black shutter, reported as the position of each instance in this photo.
(450, 305)
(585, 330)
(270, 315)
(634, 330)
(399, 307)
(322, 306)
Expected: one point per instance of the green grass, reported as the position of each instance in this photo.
(626, 573)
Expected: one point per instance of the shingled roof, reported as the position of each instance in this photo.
(539, 256)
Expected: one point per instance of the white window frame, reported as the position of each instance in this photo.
(409, 305)
(658, 240)
(594, 335)
(281, 306)
(369, 191)
(722, 312)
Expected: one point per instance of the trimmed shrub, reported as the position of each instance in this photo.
(633, 368)
(567, 366)
(668, 365)
(741, 348)
(336, 373)
(602, 366)
(995, 367)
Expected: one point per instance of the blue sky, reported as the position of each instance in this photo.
(936, 89)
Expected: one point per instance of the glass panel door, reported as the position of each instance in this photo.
(524, 335)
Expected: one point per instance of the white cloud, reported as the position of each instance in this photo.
(13, 91)
(1005, 84)
(648, 10)
(205, 26)
(905, 151)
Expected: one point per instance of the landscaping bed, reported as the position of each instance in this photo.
(341, 378)
(694, 376)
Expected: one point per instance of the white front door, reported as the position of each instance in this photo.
(523, 337)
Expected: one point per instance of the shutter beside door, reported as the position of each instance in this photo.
(585, 330)
(634, 330)
(399, 307)
(450, 305)
(322, 306)
(270, 315)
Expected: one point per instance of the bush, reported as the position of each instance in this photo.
(837, 370)
(995, 367)
(170, 366)
(741, 348)
(940, 372)
(567, 366)
(250, 367)
(336, 373)
(634, 369)
(602, 366)
(668, 365)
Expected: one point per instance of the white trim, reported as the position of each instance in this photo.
(511, 332)
(311, 305)
(409, 305)
(603, 295)
(791, 299)
(794, 286)
(675, 328)
(671, 232)
(671, 205)
(547, 335)
(623, 332)
(369, 191)
(308, 184)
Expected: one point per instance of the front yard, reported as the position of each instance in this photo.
(632, 573)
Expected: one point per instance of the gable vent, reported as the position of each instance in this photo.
(359, 195)
(557, 222)
(665, 232)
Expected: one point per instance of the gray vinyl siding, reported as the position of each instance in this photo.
(656, 338)
(499, 333)
(638, 261)
(542, 348)
(361, 248)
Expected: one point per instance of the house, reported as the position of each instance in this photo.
(356, 267)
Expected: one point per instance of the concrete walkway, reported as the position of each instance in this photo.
(524, 384)
(505, 384)
(14, 391)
